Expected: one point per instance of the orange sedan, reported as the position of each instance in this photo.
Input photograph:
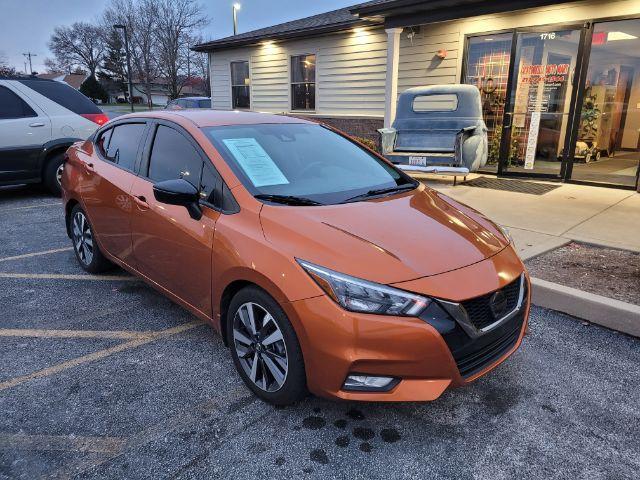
(324, 267)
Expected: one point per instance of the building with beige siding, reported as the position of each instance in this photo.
(561, 76)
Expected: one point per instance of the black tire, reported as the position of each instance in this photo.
(89, 257)
(294, 387)
(50, 174)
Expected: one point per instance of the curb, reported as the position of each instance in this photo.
(607, 312)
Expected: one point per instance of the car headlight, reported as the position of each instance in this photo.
(357, 295)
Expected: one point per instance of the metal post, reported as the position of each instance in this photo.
(236, 7)
(126, 48)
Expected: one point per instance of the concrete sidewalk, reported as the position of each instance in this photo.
(597, 215)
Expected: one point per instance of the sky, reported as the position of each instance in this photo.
(26, 25)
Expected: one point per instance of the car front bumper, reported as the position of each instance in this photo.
(424, 355)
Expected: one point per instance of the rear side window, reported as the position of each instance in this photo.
(12, 106)
(173, 157)
(123, 145)
(64, 95)
(204, 103)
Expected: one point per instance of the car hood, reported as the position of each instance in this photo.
(386, 240)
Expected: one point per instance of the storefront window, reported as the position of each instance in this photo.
(608, 142)
(488, 69)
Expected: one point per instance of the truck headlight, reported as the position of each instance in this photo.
(357, 295)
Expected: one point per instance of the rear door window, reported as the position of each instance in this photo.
(63, 95)
(204, 103)
(12, 106)
(173, 157)
(123, 145)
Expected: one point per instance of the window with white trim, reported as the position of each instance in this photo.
(303, 82)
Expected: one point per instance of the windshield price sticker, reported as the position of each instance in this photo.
(255, 161)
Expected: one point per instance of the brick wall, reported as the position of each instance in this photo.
(356, 127)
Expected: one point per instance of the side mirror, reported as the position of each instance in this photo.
(179, 192)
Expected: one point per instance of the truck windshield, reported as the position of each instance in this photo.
(306, 162)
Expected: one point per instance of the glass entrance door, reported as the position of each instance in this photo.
(537, 116)
(608, 134)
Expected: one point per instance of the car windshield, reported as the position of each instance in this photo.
(303, 161)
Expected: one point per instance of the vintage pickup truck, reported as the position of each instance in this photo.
(438, 129)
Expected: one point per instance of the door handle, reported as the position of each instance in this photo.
(141, 201)
(36, 124)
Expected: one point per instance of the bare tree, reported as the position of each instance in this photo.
(200, 62)
(52, 65)
(79, 45)
(5, 68)
(141, 19)
(177, 21)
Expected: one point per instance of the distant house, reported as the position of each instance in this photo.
(159, 91)
(72, 79)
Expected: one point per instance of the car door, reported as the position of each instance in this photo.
(108, 175)
(24, 129)
(171, 248)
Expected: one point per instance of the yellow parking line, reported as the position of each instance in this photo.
(35, 254)
(59, 276)
(109, 445)
(43, 333)
(30, 206)
(98, 355)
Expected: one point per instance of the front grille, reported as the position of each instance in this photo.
(479, 308)
(474, 360)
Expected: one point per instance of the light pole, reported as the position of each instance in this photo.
(126, 49)
(236, 7)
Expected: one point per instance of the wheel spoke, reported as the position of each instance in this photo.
(274, 337)
(254, 367)
(239, 337)
(281, 361)
(247, 319)
(278, 376)
(252, 319)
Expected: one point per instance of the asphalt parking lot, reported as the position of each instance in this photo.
(101, 377)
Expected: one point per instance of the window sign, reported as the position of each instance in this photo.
(532, 141)
(256, 163)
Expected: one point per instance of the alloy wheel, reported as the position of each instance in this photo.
(260, 347)
(82, 238)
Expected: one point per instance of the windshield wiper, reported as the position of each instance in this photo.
(287, 199)
(382, 191)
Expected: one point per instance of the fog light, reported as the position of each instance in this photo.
(369, 383)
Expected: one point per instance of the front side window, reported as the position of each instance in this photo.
(123, 145)
(240, 85)
(302, 160)
(12, 106)
(173, 157)
(303, 82)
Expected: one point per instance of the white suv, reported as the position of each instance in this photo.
(39, 120)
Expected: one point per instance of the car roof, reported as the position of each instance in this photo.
(193, 98)
(215, 118)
